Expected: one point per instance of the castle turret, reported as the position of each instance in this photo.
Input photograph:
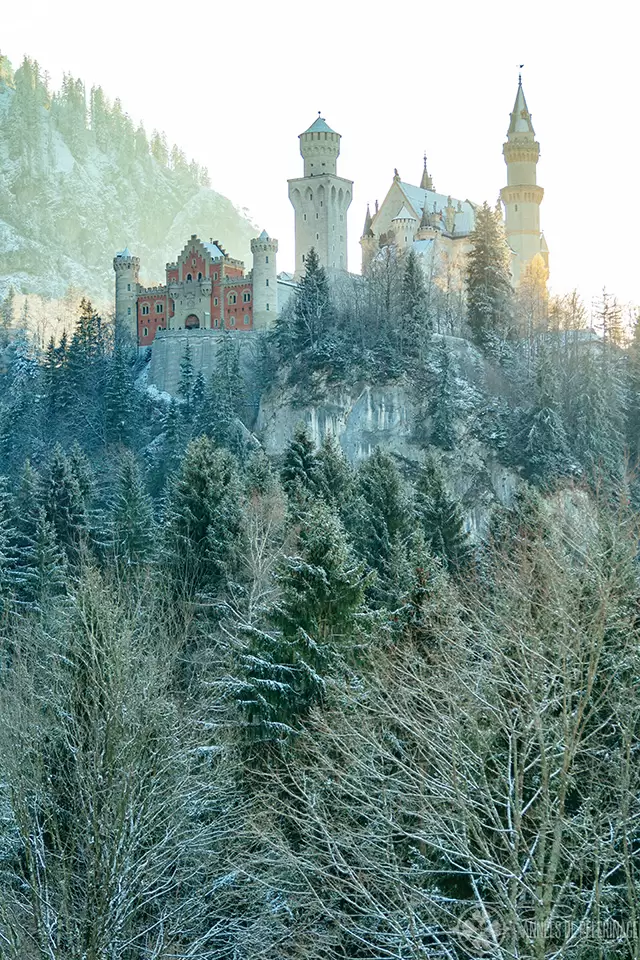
(127, 270)
(321, 199)
(368, 242)
(404, 228)
(522, 196)
(265, 281)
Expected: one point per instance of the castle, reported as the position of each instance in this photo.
(437, 227)
(205, 289)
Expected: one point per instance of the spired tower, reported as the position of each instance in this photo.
(522, 196)
(321, 199)
(127, 269)
(265, 281)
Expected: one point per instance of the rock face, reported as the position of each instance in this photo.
(364, 416)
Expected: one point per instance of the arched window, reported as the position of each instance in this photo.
(145, 331)
(199, 276)
(232, 298)
(189, 277)
(232, 321)
(145, 309)
(246, 297)
(246, 319)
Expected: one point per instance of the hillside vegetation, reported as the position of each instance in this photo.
(78, 182)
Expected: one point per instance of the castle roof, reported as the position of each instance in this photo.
(405, 214)
(213, 250)
(418, 198)
(520, 116)
(264, 236)
(124, 253)
(319, 125)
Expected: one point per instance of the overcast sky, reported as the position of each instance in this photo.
(234, 85)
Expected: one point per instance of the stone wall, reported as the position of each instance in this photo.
(168, 351)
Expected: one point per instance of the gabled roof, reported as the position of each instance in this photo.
(319, 125)
(520, 116)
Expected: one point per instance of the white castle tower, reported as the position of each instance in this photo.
(127, 268)
(321, 199)
(522, 196)
(265, 281)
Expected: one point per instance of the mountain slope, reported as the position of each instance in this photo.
(78, 182)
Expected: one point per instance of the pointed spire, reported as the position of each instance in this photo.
(367, 223)
(426, 183)
(425, 220)
(520, 117)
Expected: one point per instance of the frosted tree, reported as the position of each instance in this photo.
(489, 291)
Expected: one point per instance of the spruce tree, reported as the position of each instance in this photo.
(309, 631)
(7, 549)
(185, 386)
(119, 399)
(488, 281)
(440, 517)
(312, 313)
(300, 472)
(203, 529)
(445, 402)
(43, 566)
(134, 533)
(65, 504)
(416, 326)
(334, 474)
(543, 439)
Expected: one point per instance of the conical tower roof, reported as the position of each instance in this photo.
(367, 223)
(520, 117)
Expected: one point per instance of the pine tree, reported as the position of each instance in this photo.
(134, 533)
(310, 629)
(119, 399)
(7, 549)
(300, 475)
(204, 521)
(416, 326)
(543, 439)
(335, 476)
(65, 505)
(440, 517)
(382, 517)
(185, 386)
(444, 404)
(488, 282)
(312, 313)
(43, 566)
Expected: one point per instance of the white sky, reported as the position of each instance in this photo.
(234, 84)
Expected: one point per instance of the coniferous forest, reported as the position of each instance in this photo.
(289, 706)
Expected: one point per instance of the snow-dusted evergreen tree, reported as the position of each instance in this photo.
(335, 475)
(300, 474)
(445, 404)
(65, 504)
(187, 376)
(308, 633)
(203, 526)
(542, 437)
(440, 517)
(7, 550)
(120, 410)
(415, 323)
(42, 565)
(134, 529)
(488, 281)
(312, 311)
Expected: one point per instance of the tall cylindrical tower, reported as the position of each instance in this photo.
(404, 229)
(522, 196)
(321, 200)
(127, 270)
(265, 281)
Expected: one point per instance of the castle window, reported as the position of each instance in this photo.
(232, 321)
(516, 207)
(145, 331)
(267, 306)
(304, 216)
(267, 283)
(246, 297)
(129, 285)
(215, 301)
(194, 262)
(266, 259)
(232, 298)
(215, 276)
(317, 216)
(159, 307)
(199, 276)
(128, 311)
(322, 203)
(145, 309)
(317, 236)
(189, 277)
(246, 319)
